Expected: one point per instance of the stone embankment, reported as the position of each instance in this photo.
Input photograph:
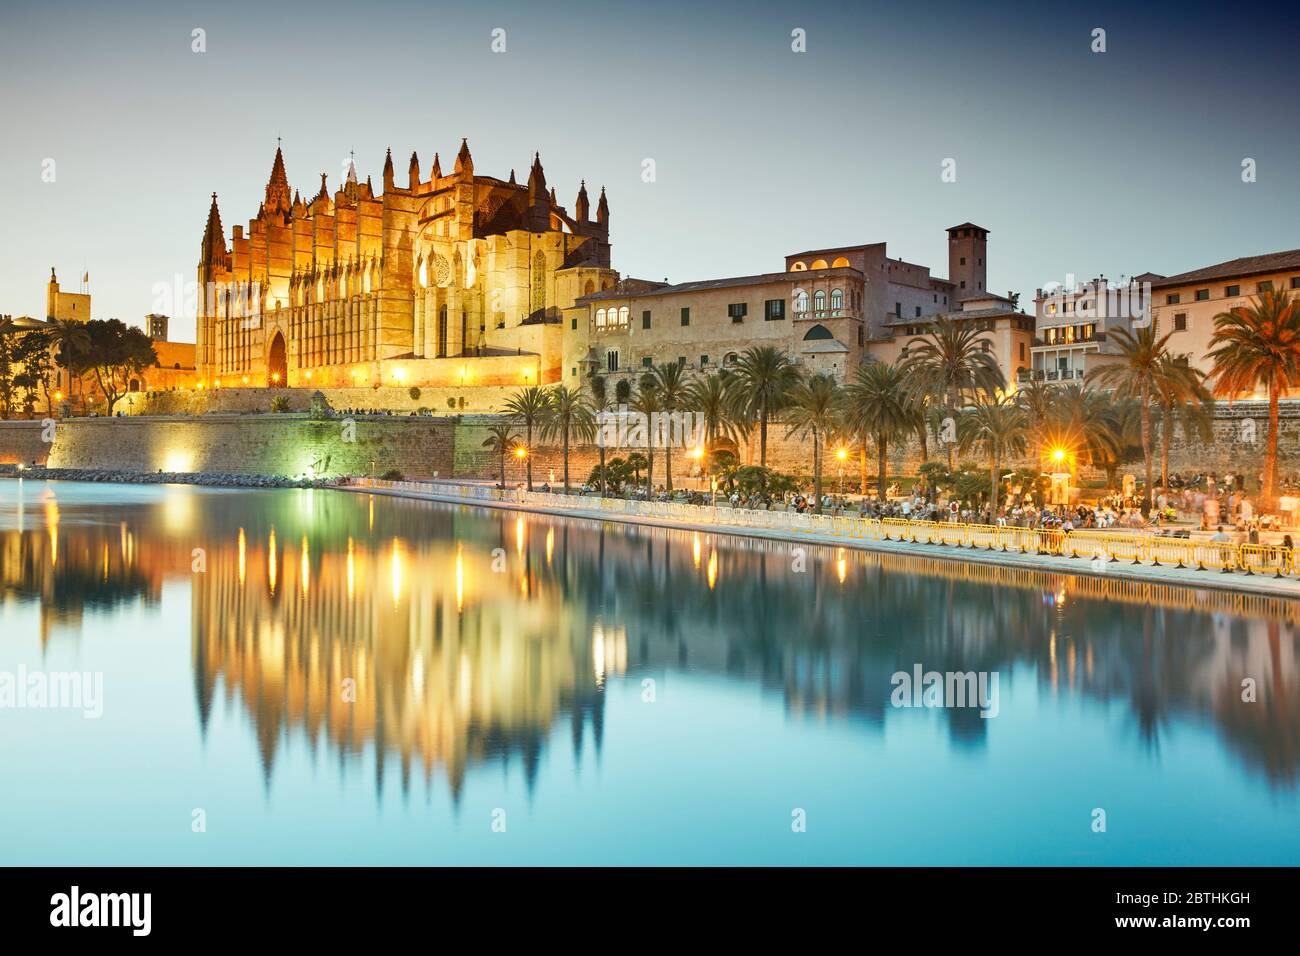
(160, 477)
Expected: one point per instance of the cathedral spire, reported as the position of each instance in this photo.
(464, 161)
(436, 172)
(536, 181)
(512, 178)
(582, 205)
(602, 209)
(414, 171)
(388, 171)
(324, 192)
(214, 240)
(277, 187)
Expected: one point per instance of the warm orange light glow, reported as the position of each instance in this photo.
(842, 454)
(245, 379)
(275, 376)
(1058, 454)
(58, 396)
(199, 386)
(521, 452)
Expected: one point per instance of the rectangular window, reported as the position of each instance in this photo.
(774, 310)
(704, 360)
(898, 309)
(1180, 322)
(737, 311)
(611, 360)
(647, 361)
(1232, 290)
(645, 319)
(918, 311)
(1171, 298)
(860, 335)
(1295, 282)
(573, 371)
(963, 260)
(1265, 286)
(1022, 351)
(686, 316)
(574, 325)
(1202, 295)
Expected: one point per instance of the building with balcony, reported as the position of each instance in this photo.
(1072, 325)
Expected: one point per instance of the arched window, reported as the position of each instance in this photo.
(819, 264)
(365, 281)
(623, 315)
(840, 263)
(819, 301)
(731, 359)
(798, 267)
(424, 274)
(442, 332)
(817, 333)
(600, 318)
(589, 288)
(801, 302)
(837, 301)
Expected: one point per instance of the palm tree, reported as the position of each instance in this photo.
(1139, 369)
(1079, 419)
(672, 383)
(599, 405)
(951, 362)
(501, 440)
(70, 340)
(713, 398)
(568, 416)
(998, 427)
(765, 378)
(814, 409)
(1253, 345)
(530, 407)
(879, 407)
(1182, 398)
(647, 403)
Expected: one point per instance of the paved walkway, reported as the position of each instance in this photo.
(1163, 574)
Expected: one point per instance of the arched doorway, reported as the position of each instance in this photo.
(277, 368)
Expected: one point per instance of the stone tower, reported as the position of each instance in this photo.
(968, 260)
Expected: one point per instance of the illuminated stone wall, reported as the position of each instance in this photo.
(21, 444)
(286, 444)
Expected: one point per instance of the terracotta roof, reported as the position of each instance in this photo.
(968, 225)
(813, 252)
(1245, 266)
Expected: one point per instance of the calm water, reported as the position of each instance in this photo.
(348, 679)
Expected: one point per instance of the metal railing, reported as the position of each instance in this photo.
(1140, 548)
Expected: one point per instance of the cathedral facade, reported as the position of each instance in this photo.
(454, 280)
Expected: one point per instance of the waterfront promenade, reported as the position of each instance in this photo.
(1137, 556)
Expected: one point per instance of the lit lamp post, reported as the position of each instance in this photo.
(698, 455)
(1061, 479)
(842, 454)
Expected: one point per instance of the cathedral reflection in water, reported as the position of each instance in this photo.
(447, 636)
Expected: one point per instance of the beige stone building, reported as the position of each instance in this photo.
(1185, 304)
(447, 280)
(1074, 324)
(829, 309)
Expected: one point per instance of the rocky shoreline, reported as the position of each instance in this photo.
(161, 477)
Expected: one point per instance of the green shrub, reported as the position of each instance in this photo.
(414, 393)
(392, 474)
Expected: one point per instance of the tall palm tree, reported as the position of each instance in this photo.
(765, 378)
(712, 397)
(647, 403)
(879, 407)
(813, 409)
(672, 383)
(952, 362)
(71, 340)
(1259, 344)
(529, 407)
(1182, 398)
(568, 416)
(501, 440)
(599, 406)
(998, 427)
(1139, 369)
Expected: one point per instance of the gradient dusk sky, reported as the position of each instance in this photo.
(1078, 162)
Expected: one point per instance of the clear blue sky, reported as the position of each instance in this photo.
(1078, 162)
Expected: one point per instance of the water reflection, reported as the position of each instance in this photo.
(449, 637)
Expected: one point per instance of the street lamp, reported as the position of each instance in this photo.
(842, 454)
